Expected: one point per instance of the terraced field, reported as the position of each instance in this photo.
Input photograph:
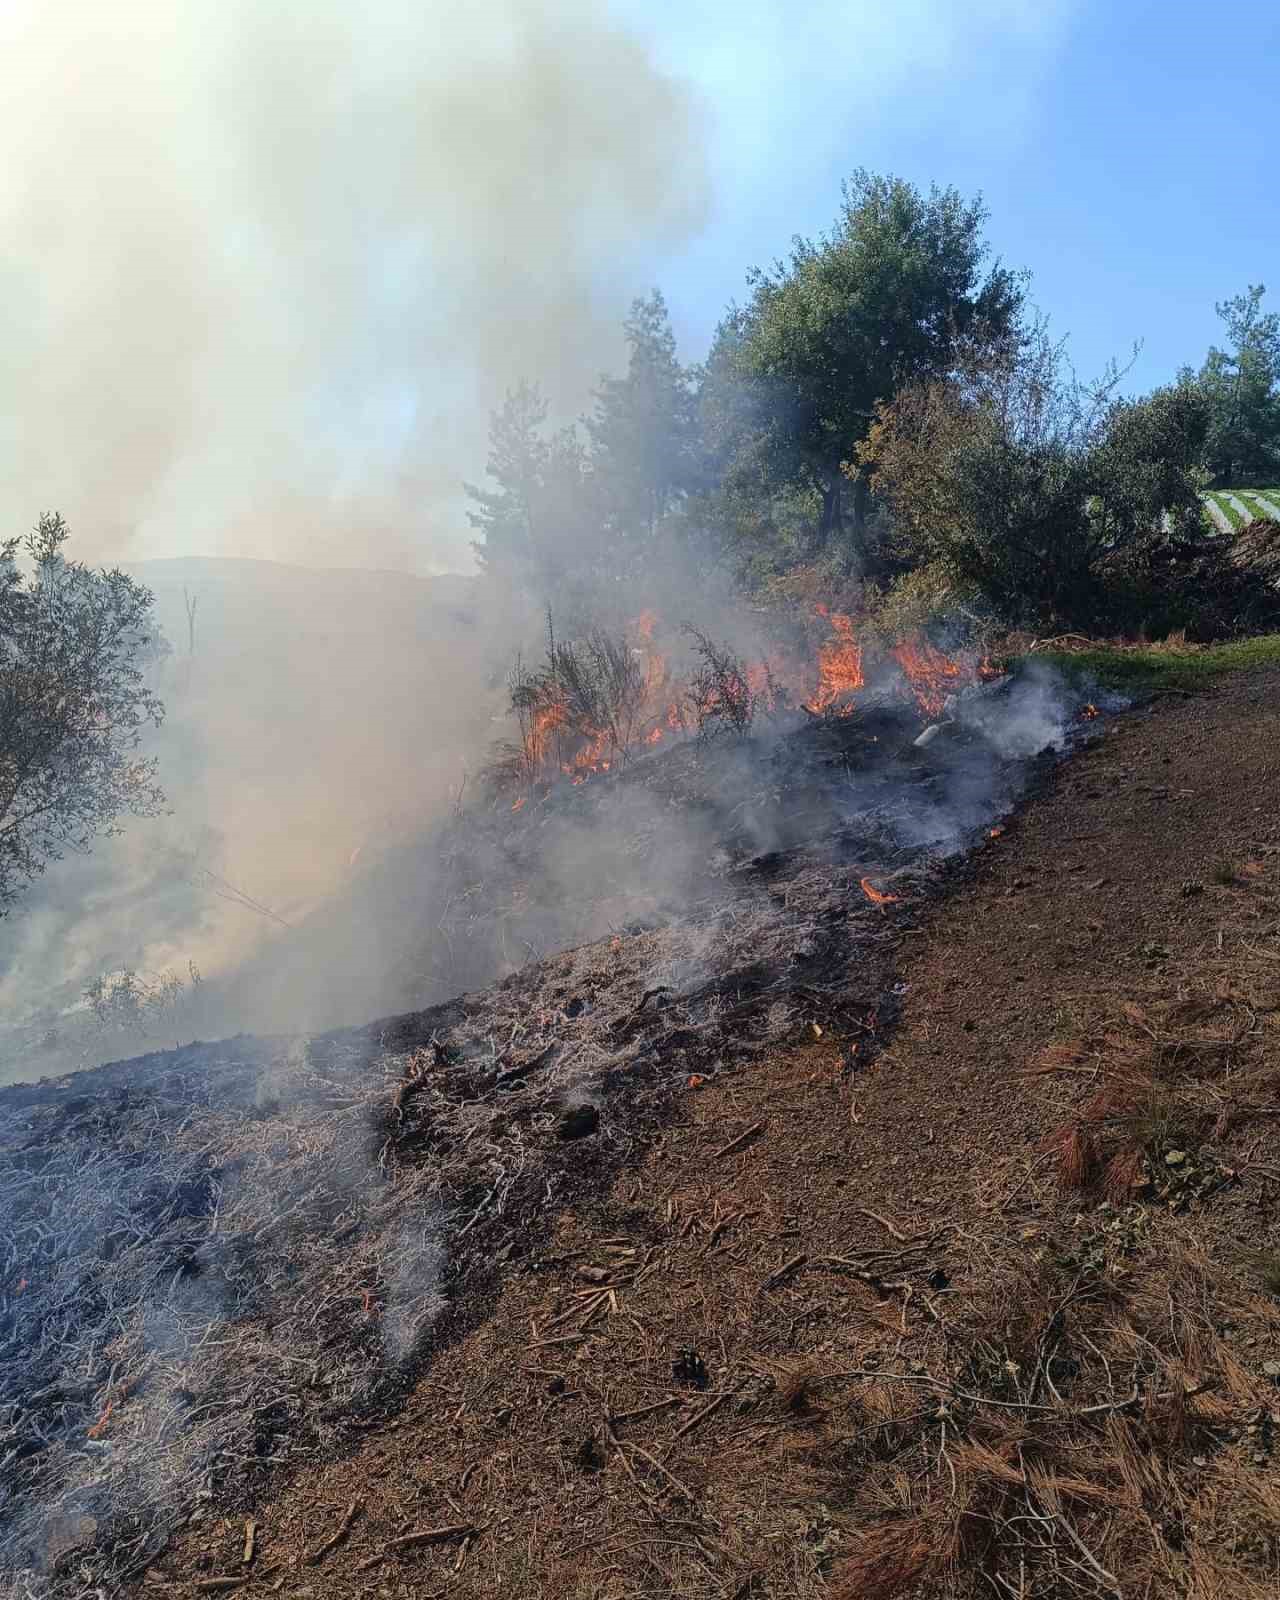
(1230, 509)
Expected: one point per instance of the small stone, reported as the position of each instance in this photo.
(1271, 1368)
(1175, 1158)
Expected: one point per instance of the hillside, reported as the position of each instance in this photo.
(857, 1325)
(968, 1267)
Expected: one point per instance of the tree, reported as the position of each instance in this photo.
(884, 300)
(643, 432)
(509, 516)
(535, 523)
(1052, 498)
(74, 645)
(1241, 386)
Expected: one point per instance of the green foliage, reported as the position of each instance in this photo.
(643, 433)
(1160, 669)
(1241, 385)
(538, 523)
(74, 645)
(128, 1000)
(924, 599)
(1061, 504)
(569, 517)
(888, 298)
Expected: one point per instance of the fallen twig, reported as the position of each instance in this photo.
(737, 1144)
(701, 1416)
(314, 1557)
(682, 1488)
(785, 1270)
(451, 1530)
(885, 1224)
(645, 1411)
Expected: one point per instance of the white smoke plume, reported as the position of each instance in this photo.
(269, 262)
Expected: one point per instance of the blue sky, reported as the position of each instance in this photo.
(1127, 150)
(274, 262)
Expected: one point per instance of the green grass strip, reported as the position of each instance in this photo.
(1148, 672)
(1228, 510)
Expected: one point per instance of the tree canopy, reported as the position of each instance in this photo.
(1242, 388)
(886, 299)
(74, 702)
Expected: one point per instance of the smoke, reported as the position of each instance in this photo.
(269, 263)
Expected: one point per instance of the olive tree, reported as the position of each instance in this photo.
(74, 704)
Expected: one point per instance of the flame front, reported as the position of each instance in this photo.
(932, 675)
(839, 662)
(557, 740)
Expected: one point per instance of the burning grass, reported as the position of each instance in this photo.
(596, 702)
(227, 1260)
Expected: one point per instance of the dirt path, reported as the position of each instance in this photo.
(680, 1397)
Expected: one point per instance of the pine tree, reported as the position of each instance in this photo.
(1242, 385)
(642, 431)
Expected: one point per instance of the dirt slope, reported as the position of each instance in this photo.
(854, 1328)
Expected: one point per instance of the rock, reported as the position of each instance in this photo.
(1175, 1158)
(578, 1122)
(1271, 1368)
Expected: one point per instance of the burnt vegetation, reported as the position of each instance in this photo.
(702, 844)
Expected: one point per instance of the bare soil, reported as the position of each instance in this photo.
(882, 1329)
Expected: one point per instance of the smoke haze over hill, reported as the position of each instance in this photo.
(269, 264)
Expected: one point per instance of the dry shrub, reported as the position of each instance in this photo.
(1076, 1153)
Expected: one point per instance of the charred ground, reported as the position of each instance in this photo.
(231, 1258)
(898, 1329)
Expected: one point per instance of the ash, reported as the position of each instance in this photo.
(234, 1257)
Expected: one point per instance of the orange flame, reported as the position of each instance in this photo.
(996, 832)
(932, 675)
(1089, 712)
(519, 804)
(555, 738)
(839, 662)
(876, 897)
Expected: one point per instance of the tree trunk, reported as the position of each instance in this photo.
(861, 499)
(832, 519)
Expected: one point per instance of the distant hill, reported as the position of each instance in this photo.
(324, 717)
